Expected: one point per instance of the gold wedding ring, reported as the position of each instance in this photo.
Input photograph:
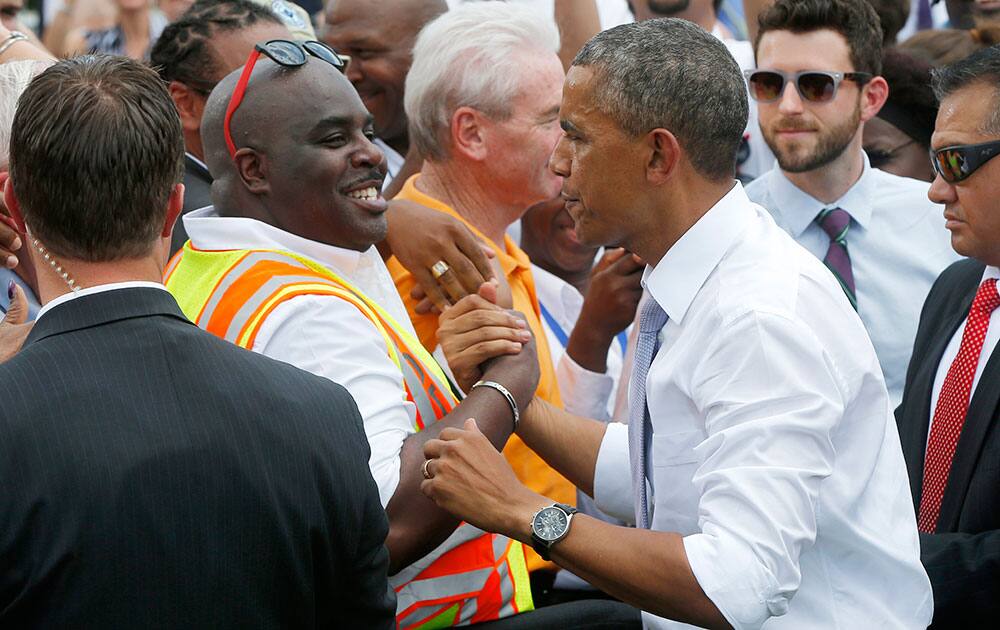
(427, 474)
(439, 269)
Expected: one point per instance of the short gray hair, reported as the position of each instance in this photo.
(466, 57)
(14, 79)
(671, 74)
(981, 67)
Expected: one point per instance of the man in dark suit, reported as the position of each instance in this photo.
(951, 402)
(154, 475)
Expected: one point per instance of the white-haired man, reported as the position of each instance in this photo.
(482, 98)
(14, 78)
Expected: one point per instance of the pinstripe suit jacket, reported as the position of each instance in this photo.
(154, 476)
(962, 557)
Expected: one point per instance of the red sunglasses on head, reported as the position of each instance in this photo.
(284, 53)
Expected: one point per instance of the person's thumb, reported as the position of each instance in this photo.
(18, 311)
(470, 425)
(489, 291)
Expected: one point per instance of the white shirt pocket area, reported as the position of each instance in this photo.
(673, 462)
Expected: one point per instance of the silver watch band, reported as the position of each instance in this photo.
(506, 394)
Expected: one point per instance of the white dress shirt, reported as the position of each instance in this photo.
(584, 393)
(328, 336)
(897, 243)
(773, 450)
(951, 351)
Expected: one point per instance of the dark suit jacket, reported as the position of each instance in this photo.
(155, 476)
(963, 557)
(197, 194)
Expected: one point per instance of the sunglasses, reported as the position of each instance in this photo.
(878, 158)
(959, 162)
(815, 86)
(284, 53)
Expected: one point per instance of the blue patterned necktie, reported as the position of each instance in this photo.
(652, 318)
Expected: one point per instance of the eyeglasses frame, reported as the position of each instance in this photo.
(838, 77)
(984, 152)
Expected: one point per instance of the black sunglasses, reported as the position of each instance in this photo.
(284, 53)
(959, 162)
(815, 86)
(291, 54)
(878, 158)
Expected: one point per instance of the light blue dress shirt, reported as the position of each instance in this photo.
(897, 243)
(6, 275)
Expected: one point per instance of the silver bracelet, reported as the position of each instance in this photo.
(13, 38)
(506, 394)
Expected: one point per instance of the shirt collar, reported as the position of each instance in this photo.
(208, 231)
(100, 288)
(682, 271)
(797, 209)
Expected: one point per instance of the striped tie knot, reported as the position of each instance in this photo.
(835, 222)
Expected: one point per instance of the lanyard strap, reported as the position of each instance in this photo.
(564, 338)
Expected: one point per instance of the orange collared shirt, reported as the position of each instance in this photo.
(516, 266)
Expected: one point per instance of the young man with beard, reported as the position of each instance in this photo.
(816, 84)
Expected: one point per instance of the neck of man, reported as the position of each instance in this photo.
(465, 191)
(830, 182)
(192, 144)
(135, 24)
(672, 213)
(537, 252)
(90, 274)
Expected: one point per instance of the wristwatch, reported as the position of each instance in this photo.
(549, 525)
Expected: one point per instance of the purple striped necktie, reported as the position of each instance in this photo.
(836, 222)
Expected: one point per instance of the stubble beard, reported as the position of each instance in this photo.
(829, 146)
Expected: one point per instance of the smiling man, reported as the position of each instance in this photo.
(816, 85)
(284, 265)
(378, 36)
(760, 461)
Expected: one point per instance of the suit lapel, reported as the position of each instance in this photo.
(104, 308)
(978, 421)
(913, 435)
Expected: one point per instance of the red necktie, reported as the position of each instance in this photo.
(953, 404)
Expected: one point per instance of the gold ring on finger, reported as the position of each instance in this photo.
(439, 269)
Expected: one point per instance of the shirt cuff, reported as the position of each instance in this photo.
(732, 577)
(584, 393)
(613, 474)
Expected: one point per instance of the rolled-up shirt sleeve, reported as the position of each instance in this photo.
(771, 398)
(613, 476)
(583, 392)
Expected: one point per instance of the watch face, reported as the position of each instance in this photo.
(550, 524)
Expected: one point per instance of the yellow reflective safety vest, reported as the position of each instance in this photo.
(473, 576)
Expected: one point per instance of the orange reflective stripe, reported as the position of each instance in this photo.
(237, 294)
(171, 265)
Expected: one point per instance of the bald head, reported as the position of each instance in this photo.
(304, 154)
(379, 37)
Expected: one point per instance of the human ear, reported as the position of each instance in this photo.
(873, 96)
(252, 169)
(190, 106)
(468, 133)
(664, 153)
(175, 204)
(13, 206)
